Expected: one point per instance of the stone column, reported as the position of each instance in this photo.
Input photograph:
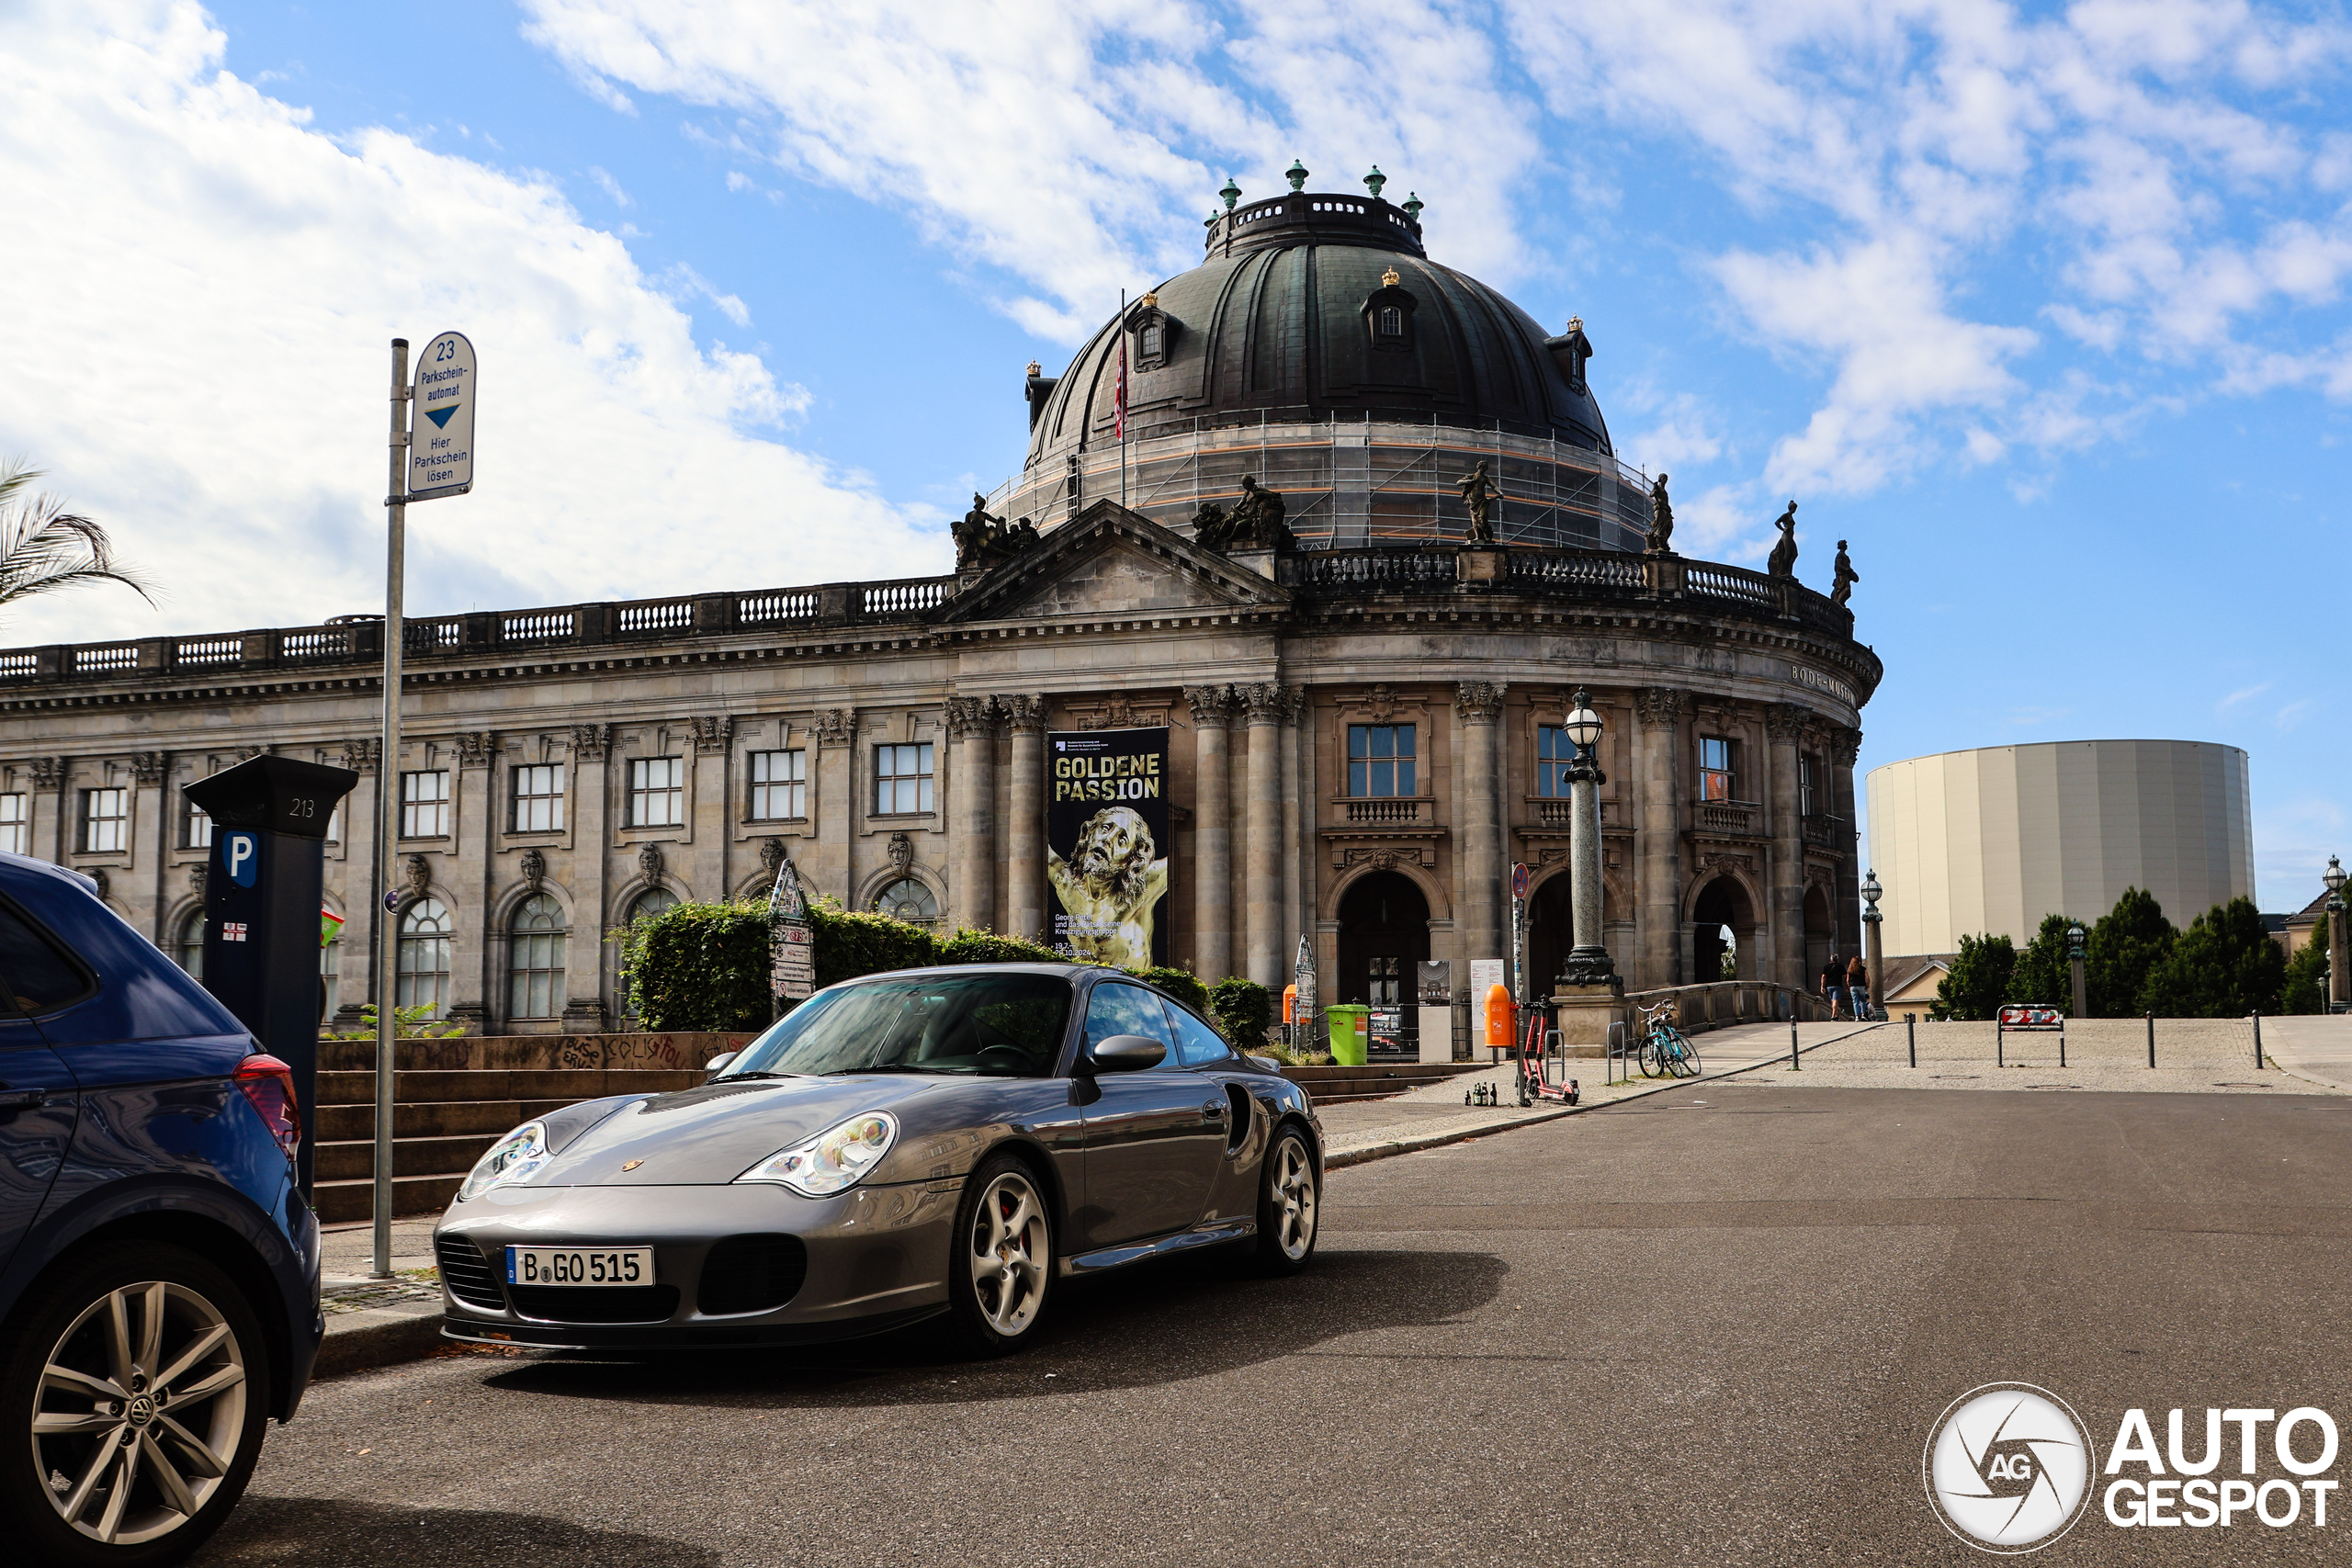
(1845, 746)
(1025, 832)
(2339, 983)
(52, 820)
(1261, 863)
(972, 900)
(838, 808)
(1477, 705)
(1293, 830)
(1784, 722)
(589, 963)
(713, 786)
(473, 834)
(1657, 839)
(1212, 835)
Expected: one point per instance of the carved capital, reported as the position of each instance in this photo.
(836, 727)
(714, 735)
(476, 748)
(1212, 705)
(969, 717)
(147, 767)
(1785, 721)
(1659, 707)
(590, 742)
(534, 868)
(1265, 701)
(1028, 714)
(48, 772)
(360, 756)
(1294, 704)
(1845, 746)
(1479, 702)
(419, 874)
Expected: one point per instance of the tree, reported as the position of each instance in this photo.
(45, 549)
(2305, 989)
(2223, 965)
(1978, 982)
(2128, 942)
(2043, 975)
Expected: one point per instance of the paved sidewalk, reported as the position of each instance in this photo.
(2318, 1047)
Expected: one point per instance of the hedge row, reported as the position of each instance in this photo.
(705, 966)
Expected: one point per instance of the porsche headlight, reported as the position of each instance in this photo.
(834, 1160)
(511, 1158)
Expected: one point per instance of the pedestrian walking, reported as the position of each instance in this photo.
(1858, 990)
(1833, 983)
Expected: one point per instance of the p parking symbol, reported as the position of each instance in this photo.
(241, 857)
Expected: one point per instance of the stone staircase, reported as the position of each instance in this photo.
(1376, 1080)
(453, 1097)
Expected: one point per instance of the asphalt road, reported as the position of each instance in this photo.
(1669, 1332)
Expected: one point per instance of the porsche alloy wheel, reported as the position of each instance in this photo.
(1005, 1256)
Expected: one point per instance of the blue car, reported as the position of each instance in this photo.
(159, 1270)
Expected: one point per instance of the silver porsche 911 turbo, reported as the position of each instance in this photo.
(930, 1141)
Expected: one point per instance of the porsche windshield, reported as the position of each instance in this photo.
(992, 1025)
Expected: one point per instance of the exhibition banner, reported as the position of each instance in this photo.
(1107, 844)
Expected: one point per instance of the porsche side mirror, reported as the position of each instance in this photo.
(1125, 1054)
(719, 1061)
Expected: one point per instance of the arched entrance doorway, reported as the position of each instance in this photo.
(1722, 903)
(1820, 937)
(1551, 932)
(1384, 932)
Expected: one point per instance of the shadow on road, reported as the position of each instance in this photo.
(1138, 1328)
(329, 1532)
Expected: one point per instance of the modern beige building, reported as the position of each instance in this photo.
(1364, 701)
(1991, 841)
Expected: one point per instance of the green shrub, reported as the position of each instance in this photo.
(972, 947)
(1244, 1011)
(1978, 982)
(2129, 941)
(2044, 974)
(851, 943)
(1182, 984)
(2223, 965)
(699, 967)
(2306, 987)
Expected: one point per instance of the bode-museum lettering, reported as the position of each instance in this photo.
(1106, 778)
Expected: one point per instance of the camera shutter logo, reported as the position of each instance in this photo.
(2009, 1467)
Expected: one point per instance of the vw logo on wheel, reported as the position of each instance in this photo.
(2009, 1467)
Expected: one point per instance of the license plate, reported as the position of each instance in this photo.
(580, 1266)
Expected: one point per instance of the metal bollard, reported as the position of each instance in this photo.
(1911, 1035)
(2258, 1040)
(2000, 1044)
(2152, 1041)
(2062, 1044)
(1793, 1065)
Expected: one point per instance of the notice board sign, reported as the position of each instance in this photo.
(791, 948)
(1107, 845)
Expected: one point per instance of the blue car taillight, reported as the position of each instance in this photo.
(268, 1083)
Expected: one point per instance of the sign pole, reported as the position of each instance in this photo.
(388, 797)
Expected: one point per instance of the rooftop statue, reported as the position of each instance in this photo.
(1784, 553)
(975, 531)
(1843, 588)
(1213, 527)
(1480, 495)
(1661, 517)
(1259, 518)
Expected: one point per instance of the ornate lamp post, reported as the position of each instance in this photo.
(1589, 962)
(2074, 939)
(2337, 978)
(1873, 949)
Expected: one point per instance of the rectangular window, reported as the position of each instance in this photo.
(1718, 768)
(1380, 759)
(16, 824)
(424, 805)
(657, 792)
(1804, 786)
(1553, 752)
(779, 785)
(196, 826)
(105, 819)
(538, 798)
(901, 779)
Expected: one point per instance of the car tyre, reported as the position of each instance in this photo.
(135, 1363)
(1002, 1259)
(1290, 1190)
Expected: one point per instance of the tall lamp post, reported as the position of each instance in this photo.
(1589, 962)
(2074, 939)
(1873, 955)
(2337, 978)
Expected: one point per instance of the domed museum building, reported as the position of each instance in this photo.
(1285, 652)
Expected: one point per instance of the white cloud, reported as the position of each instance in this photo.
(196, 320)
(2244, 693)
(610, 186)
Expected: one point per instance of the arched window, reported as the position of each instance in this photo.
(188, 946)
(535, 962)
(908, 899)
(651, 902)
(423, 975)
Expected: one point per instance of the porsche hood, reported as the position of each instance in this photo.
(710, 1136)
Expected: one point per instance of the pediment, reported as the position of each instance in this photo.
(1109, 561)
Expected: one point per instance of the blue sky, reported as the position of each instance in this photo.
(2042, 310)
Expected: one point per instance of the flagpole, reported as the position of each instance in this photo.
(1123, 397)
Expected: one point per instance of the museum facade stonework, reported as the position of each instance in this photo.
(1364, 690)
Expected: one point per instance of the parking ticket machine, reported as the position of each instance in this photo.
(262, 892)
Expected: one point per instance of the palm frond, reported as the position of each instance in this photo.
(45, 549)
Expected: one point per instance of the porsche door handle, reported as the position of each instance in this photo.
(1212, 1111)
(22, 1098)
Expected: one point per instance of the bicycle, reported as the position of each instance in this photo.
(1666, 1051)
